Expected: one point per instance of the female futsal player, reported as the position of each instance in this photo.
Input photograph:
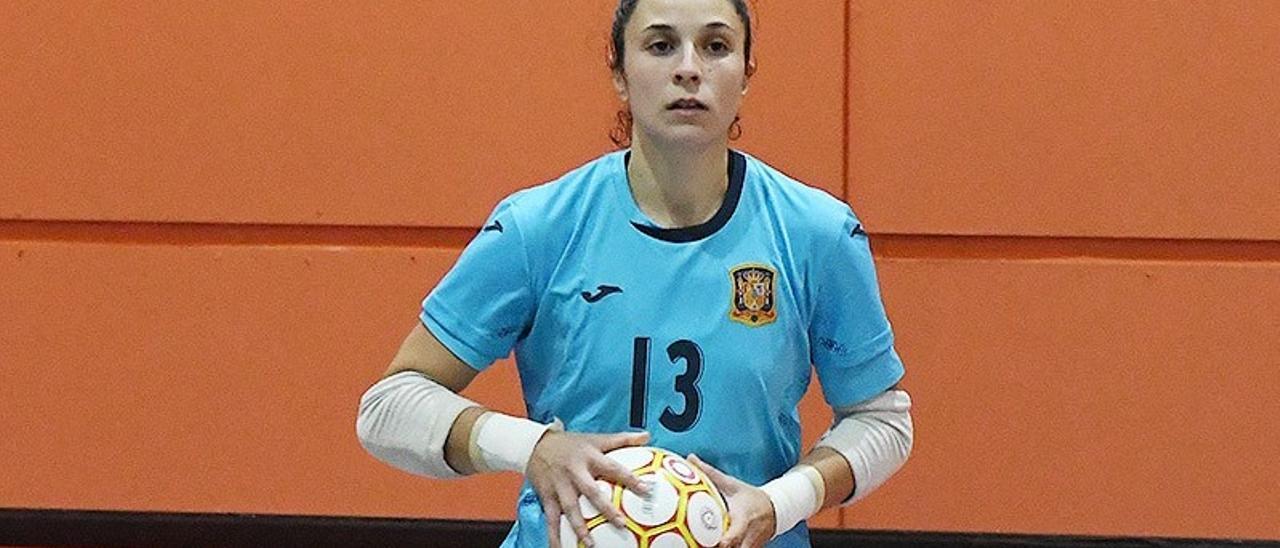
(676, 293)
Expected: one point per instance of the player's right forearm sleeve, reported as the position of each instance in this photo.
(404, 421)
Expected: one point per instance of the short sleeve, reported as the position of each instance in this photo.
(485, 302)
(849, 333)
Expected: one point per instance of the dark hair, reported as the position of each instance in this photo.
(621, 134)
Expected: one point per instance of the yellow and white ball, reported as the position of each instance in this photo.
(682, 509)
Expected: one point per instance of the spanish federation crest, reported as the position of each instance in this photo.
(753, 296)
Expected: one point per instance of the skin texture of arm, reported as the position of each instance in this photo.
(837, 476)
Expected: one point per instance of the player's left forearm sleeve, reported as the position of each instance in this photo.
(875, 437)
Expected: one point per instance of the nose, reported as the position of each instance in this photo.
(689, 72)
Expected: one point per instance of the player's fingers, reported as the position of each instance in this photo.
(569, 507)
(725, 482)
(733, 535)
(600, 500)
(551, 511)
(610, 470)
(610, 442)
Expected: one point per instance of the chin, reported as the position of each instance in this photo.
(686, 136)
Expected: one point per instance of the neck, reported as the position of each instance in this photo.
(680, 187)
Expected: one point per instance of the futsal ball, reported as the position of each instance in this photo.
(682, 508)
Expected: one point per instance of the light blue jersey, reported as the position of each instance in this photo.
(704, 336)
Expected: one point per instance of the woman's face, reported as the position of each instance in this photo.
(684, 73)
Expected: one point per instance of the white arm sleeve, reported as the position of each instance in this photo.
(404, 421)
(875, 436)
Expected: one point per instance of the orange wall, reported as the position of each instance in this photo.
(216, 222)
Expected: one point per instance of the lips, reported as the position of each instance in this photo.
(686, 104)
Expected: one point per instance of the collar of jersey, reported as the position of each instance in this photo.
(684, 234)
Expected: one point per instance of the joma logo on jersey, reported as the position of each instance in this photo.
(753, 301)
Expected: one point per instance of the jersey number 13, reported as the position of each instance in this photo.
(686, 384)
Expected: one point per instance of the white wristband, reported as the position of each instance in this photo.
(796, 495)
(502, 442)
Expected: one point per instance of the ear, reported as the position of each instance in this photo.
(620, 85)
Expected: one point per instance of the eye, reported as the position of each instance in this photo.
(718, 47)
(659, 47)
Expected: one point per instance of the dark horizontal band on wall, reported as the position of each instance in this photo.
(223, 234)
(1027, 248)
(49, 527)
(899, 246)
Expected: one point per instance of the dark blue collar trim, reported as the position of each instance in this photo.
(737, 174)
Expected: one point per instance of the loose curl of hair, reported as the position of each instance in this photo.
(621, 133)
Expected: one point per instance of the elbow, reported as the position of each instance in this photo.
(404, 421)
(382, 429)
(367, 427)
(906, 436)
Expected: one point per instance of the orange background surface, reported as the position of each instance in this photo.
(216, 223)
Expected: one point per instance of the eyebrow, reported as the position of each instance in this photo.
(666, 27)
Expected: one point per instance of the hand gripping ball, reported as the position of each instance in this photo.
(683, 508)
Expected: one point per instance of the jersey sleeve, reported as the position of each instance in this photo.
(849, 335)
(483, 305)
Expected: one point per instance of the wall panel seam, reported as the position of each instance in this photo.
(884, 246)
(231, 234)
